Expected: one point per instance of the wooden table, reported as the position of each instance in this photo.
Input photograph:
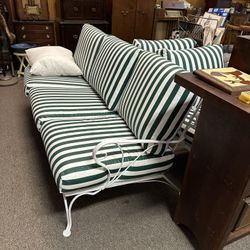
(217, 178)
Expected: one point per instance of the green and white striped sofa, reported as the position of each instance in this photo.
(113, 126)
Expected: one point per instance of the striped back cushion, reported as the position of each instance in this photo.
(153, 106)
(206, 57)
(87, 48)
(174, 44)
(112, 69)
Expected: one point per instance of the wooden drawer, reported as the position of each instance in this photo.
(35, 36)
(72, 9)
(94, 9)
(244, 219)
(34, 27)
(83, 9)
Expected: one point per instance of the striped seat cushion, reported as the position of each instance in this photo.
(112, 69)
(66, 104)
(87, 48)
(153, 105)
(206, 57)
(34, 81)
(69, 147)
(174, 44)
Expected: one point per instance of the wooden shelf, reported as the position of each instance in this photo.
(237, 234)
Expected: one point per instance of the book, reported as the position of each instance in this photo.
(230, 80)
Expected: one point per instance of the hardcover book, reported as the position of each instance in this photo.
(230, 80)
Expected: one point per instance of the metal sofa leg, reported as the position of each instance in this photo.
(68, 207)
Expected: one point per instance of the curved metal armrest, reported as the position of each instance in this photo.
(118, 142)
(124, 141)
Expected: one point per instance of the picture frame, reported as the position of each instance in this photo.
(32, 9)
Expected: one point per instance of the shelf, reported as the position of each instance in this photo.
(237, 234)
(84, 21)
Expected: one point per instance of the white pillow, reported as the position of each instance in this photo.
(52, 61)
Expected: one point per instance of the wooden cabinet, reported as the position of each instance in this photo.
(70, 31)
(133, 19)
(214, 199)
(41, 33)
(75, 13)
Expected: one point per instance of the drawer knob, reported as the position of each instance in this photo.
(124, 12)
(47, 27)
(22, 28)
(141, 12)
(75, 36)
(48, 36)
(93, 10)
(24, 36)
(76, 9)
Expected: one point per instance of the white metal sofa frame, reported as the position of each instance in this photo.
(71, 196)
(162, 178)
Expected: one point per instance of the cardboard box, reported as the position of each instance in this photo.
(177, 4)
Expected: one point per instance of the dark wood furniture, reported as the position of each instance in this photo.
(42, 33)
(218, 3)
(239, 58)
(133, 19)
(216, 185)
(74, 14)
(34, 31)
(70, 31)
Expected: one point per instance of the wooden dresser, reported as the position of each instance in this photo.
(41, 33)
(78, 12)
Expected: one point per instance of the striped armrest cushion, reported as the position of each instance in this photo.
(206, 57)
(153, 106)
(174, 44)
(112, 69)
(87, 48)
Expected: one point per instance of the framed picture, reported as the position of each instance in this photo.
(32, 9)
